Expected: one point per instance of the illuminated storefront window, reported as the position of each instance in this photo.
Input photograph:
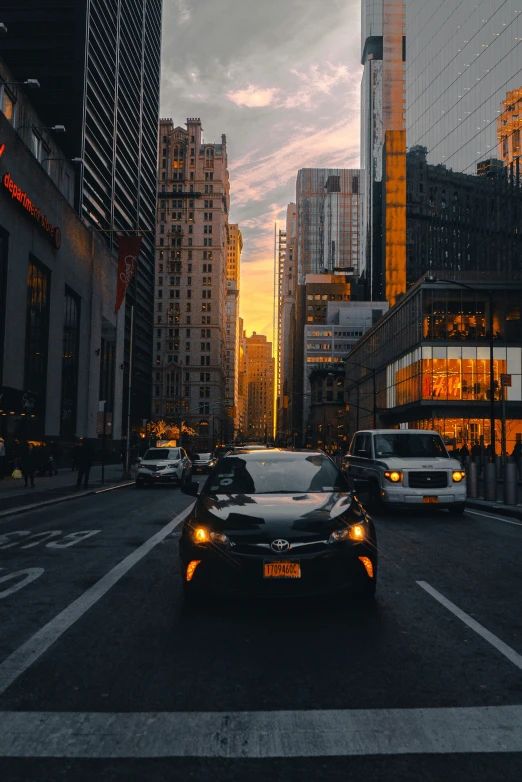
(452, 374)
(457, 432)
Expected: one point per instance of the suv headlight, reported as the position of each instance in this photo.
(458, 475)
(356, 532)
(395, 476)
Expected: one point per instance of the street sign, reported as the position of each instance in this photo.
(505, 380)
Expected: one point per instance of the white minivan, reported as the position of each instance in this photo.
(406, 467)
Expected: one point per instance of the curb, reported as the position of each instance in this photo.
(500, 510)
(56, 500)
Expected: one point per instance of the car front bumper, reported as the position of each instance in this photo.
(160, 477)
(406, 497)
(336, 568)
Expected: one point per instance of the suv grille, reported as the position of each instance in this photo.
(428, 480)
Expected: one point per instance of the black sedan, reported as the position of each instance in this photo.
(277, 523)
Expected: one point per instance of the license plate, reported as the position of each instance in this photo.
(428, 500)
(282, 570)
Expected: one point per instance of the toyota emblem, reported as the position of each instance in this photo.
(279, 545)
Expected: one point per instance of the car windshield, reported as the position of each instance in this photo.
(265, 475)
(405, 446)
(204, 457)
(162, 453)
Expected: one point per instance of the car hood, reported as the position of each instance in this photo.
(264, 517)
(419, 463)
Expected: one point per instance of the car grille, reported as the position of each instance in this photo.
(153, 467)
(428, 480)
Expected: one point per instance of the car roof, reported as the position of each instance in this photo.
(276, 453)
(396, 431)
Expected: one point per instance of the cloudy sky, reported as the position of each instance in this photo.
(281, 79)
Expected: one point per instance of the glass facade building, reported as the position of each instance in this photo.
(431, 357)
(328, 221)
(463, 59)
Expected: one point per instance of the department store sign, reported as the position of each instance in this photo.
(36, 213)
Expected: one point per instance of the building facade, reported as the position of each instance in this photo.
(191, 282)
(383, 53)
(98, 64)
(286, 316)
(460, 73)
(426, 363)
(235, 247)
(61, 345)
(462, 222)
(260, 367)
(327, 206)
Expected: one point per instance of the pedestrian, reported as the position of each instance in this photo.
(28, 464)
(84, 464)
(2, 458)
(54, 452)
(516, 455)
(464, 453)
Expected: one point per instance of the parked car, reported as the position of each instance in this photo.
(405, 467)
(164, 465)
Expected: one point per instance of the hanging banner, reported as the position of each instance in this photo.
(129, 249)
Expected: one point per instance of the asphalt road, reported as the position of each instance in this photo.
(106, 675)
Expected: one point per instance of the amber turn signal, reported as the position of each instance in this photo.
(368, 565)
(201, 535)
(191, 569)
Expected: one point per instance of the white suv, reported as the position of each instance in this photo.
(164, 465)
(408, 467)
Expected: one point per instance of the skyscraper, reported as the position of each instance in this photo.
(191, 280)
(260, 388)
(463, 59)
(98, 64)
(327, 202)
(235, 247)
(382, 110)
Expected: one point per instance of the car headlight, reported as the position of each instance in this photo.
(220, 537)
(356, 532)
(458, 475)
(201, 536)
(395, 476)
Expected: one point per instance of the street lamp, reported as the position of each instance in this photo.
(489, 294)
(32, 83)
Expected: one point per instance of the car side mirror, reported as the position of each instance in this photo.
(192, 489)
(138, 460)
(363, 454)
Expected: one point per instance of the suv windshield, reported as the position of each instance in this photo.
(162, 453)
(265, 475)
(203, 457)
(404, 445)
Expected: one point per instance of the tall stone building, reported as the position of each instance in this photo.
(286, 317)
(191, 281)
(235, 246)
(260, 367)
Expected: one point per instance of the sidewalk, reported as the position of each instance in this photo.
(14, 495)
(497, 508)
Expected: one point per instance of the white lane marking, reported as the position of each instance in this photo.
(497, 518)
(21, 659)
(111, 488)
(499, 645)
(30, 575)
(262, 734)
